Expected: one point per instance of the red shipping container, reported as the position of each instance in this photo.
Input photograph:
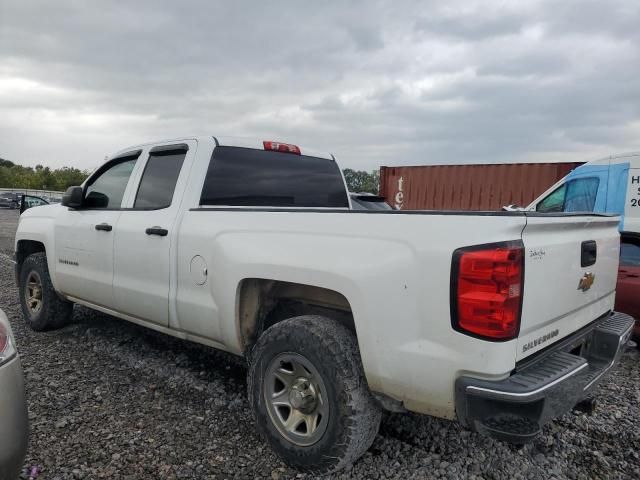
(468, 187)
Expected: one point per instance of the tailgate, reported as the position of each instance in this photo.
(560, 294)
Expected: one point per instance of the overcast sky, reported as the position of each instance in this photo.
(376, 83)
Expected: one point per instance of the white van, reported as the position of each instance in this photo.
(610, 185)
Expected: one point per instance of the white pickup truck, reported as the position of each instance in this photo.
(502, 320)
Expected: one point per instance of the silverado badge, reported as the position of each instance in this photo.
(586, 281)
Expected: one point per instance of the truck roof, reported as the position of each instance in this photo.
(226, 141)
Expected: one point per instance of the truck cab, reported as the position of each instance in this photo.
(610, 185)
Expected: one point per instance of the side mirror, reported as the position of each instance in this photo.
(72, 198)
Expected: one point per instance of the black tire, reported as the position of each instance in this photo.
(353, 416)
(54, 312)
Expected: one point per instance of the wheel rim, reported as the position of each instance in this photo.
(295, 396)
(33, 293)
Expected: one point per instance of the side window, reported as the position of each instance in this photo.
(629, 254)
(107, 189)
(159, 179)
(554, 202)
(260, 178)
(581, 195)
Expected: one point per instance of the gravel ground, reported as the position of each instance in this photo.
(108, 399)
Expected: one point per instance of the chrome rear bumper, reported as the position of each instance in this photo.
(516, 408)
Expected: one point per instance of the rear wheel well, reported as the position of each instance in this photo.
(26, 248)
(263, 303)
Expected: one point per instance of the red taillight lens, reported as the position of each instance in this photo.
(486, 297)
(281, 147)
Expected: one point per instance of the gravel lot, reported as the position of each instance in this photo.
(108, 399)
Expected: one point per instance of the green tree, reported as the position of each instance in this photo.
(361, 181)
(40, 177)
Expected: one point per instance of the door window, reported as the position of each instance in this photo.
(107, 189)
(629, 254)
(159, 179)
(30, 201)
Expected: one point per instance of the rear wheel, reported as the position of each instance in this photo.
(309, 394)
(42, 308)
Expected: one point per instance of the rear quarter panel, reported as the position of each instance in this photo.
(393, 268)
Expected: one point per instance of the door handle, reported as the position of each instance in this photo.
(104, 227)
(589, 253)
(161, 232)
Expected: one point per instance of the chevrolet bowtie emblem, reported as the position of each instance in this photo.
(586, 281)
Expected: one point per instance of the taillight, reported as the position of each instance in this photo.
(486, 290)
(281, 147)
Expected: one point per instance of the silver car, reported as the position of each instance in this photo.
(14, 423)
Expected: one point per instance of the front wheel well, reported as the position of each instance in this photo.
(26, 248)
(263, 303)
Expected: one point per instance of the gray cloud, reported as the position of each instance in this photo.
(374, 82)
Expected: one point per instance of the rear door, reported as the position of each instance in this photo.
(145, 235)
(571, 264)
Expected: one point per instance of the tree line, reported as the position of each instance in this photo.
(39, 177)
(44, 178)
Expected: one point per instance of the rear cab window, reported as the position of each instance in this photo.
(247, 177)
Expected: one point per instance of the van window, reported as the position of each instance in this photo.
(260, 178)
(581, 195)
(577, 195)
(554, 202)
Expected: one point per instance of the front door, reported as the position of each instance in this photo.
(145, 235)
(84, 236)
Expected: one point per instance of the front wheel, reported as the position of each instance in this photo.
(42, 308)
(309, 394)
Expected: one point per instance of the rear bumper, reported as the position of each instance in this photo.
(14, 424)
(516, 408)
